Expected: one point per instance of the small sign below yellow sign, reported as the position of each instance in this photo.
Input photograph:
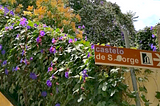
(4, 101)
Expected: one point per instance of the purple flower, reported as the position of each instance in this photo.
(83, 26)
(85, 38)
(44, 93)
(153, 35)
(107, 45)
(11, 12)
(10, 27)
(66, 74)
(42, 51)
(44, 25)
(61, 38)
(6, 72)
(17, 35)
(6, 28)
(151, 28)
(50, 69)
(31, 58)
(101, 2)
(25, 61)
(57, 104)
(152, 46)
(42, 33)
(79, 27)
(6, 10)
(92, 46)
(4, 62)
(70, 41)
(17, 68)
(88, 54)
(28, 27)
(33, 76)
(65, 35)
(23, 21)
(38, 39)
(53, 40)
(23, 52)
(35, 25)
(21, 61)
(0, 47)
(84, 74)
(49, 83)
(52, 50)
(75, 39)
(3, 52)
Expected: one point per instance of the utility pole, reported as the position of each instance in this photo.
(134, 81)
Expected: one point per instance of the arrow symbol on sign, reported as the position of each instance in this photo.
(157, 59)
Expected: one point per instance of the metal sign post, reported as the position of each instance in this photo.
(134, 82)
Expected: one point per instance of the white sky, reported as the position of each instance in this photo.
(147, 10)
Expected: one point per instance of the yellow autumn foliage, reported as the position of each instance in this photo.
(51, 10)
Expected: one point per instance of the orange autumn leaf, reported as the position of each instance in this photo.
(30, 8)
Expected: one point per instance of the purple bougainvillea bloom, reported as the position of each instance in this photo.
(153, 35)
(84, 74)
(50, 69)
(53, 40)
(28, 27)
(42, 51)
(11, 12)
(44, 25)
(61, 38)
(75, 39)
(4, 62)
(17, 68)
(83, 26)
(17, 35)
(6, 72)
(6, 10)
(33, 76)
(38, 39)
(49, 83)
(152, 46)
(31, 58)
(151, 28)
(66, 74)
(23, 52)
(0, 47)
(35, 25)
(25, 61)
(88, 54)
(101, 2)
(57, 104)
(3, 52)
(21, 61)
(70, 41)
(52, 50)
(44, 93)
(42, 33)
(85, 38)
(92, 46)
(6, 28)
(23, 21)
(79, 27)
(10, 27)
